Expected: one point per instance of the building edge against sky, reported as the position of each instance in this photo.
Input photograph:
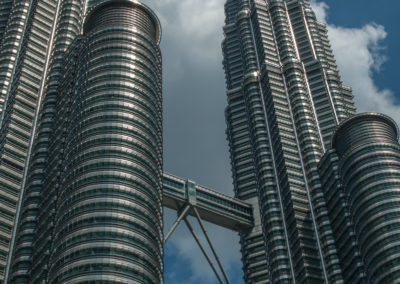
(82, 106)
(285, 101)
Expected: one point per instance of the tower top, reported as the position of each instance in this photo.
(107, 13)
(364, 128)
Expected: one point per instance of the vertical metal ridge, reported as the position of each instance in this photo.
(305, 173)
(111, 183)
(33, 133)
(17, 56)
(272, 152)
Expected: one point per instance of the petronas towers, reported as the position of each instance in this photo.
(81, 178)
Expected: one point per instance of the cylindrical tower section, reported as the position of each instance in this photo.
(109, 220)
(369, 152)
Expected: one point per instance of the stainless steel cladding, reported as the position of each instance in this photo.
(285, 99)
(364, 128)
(109, 219)
(81, 149)
(27, 29)
(93, 204)
(369, 167)
(67, 27)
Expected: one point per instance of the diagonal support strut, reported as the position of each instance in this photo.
(211, 246)
(190, 207)
(176, 223)
(204, 251)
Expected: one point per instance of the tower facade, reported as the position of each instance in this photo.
(27, 31)
(361, 181)
(285, 99)
(91, 200)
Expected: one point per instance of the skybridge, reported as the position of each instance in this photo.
(205, 204)
(212, 206)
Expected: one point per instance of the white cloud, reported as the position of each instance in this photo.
(193, 27)
(359, 53)
(320, 9)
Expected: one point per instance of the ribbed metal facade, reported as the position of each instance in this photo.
(92, 204)
(67, 29)
(343, 230)
(24, 60)
(5, 10)
(285, 98)
(109, 220)
(364, 185)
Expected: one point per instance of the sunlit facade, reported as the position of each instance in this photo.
(285, 101)
(91, 207)
(361, 181)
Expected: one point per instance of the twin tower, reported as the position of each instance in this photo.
(317, 186)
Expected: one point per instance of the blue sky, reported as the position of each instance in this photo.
(357, 13)
(366, 41)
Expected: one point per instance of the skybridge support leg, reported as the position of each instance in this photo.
(204, 251)
(211, 246)
(176, 223)
(190, 206)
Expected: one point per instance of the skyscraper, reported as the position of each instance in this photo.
(27, 32)
(361, 182)
(285, 99)
(83, 110)
(313, 223)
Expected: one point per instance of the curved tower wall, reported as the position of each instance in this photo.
(97, 169)
(350, 259)
(109, 220)
(369, 153)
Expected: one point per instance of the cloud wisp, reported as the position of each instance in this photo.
(359, 53)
